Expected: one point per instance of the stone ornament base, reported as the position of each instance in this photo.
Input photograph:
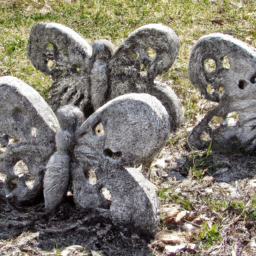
(68, 226)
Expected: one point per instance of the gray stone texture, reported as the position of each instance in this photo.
(125, 132)
(128, 123)
(31, 124)
(57, 175)
(111, 139)
(238, 83)
(129, 119)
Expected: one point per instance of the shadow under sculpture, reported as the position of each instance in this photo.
(127, 131)
(231, 83)
(89, 76)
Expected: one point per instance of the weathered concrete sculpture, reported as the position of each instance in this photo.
(113, 137)
(60, 152)
(127, 131)
(88, 77)
(31, 124)
(237, 82)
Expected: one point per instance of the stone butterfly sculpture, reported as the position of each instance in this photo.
(127, 131)
(60, 147)
(88, 77)
(232, 86)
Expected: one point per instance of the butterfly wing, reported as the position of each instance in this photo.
(57, 50)
(28, 125)
(223, 69)
(89, 77)
(147, 52)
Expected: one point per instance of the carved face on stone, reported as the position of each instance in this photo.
(120, 130)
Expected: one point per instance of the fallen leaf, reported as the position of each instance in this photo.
(180, 216)
(169, 214)
(252, 183)
(179, 248)
(209, 179)
(160, 163)
(172, 238)
(94, 253)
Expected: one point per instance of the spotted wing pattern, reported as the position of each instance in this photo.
(149, 51)
(57, 50)
(28, 126)
(88, 77)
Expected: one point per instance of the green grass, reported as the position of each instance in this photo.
(114, 20)
(210, 235)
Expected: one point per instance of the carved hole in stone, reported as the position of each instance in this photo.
(20, 168)
(205, 136)
(209, 89)
(146, 60)
(213, 124)
(13, 140)
(221, 90)
(209, 65)
(106, 193)
(49, 55)
(242, 84)
(4, 140)
(212, 90)
(69, 193)
(49, 47)
(50, 64)
(232, 119)
(98, 129)
(17, 114)
(143, 69)
(151, 53)
(2, 177)
(133, 56)
(91, 177)
(30, 181)
(253, 79)
(109, 153)
(65, 52)
(33, 131)
(225, 62)
(78, 69)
